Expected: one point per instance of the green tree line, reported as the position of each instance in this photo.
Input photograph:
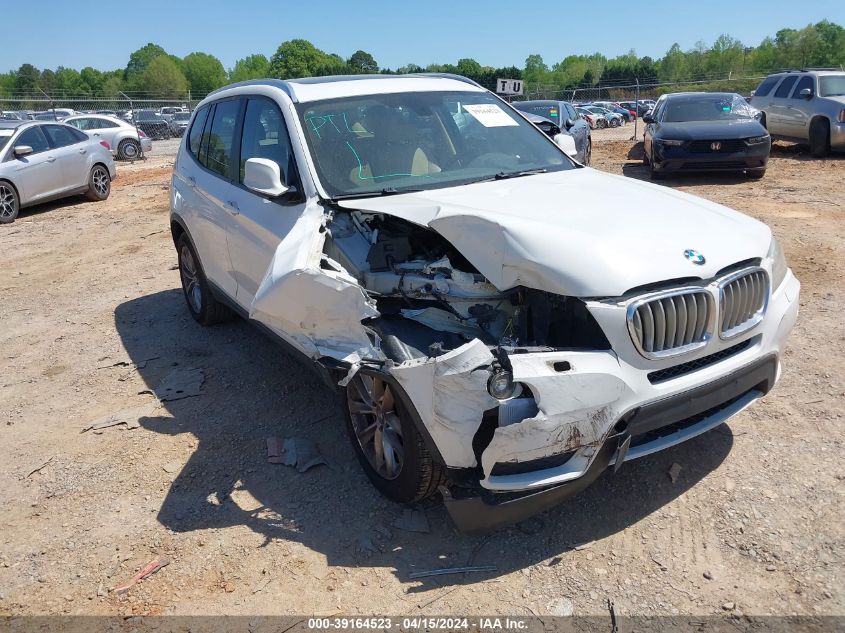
(152, 71)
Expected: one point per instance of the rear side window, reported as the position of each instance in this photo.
(785, 87)
(220, 139)
(61, 136)
(265, 135)
(766, 86)
(35, 139)
(196, 131)
(105, 124)
(806, 82)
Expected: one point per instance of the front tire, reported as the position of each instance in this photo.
(601, 124)
(614, 123)
(202, 305)
(10, 204)
(819, 138)
(99, 184)
(391, 451)
(128, 149)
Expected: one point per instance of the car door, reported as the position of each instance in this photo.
(206, 180)
(262, 222)
(777, 116)
(36, 175)
(70, 147)
(797, 111)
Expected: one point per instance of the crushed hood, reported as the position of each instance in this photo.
(579, 232)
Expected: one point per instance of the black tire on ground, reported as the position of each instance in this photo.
(99, 184)
(601, 123)
(756, 175)
(391, 451)
(614, 122)
(202, 305)
(819, 137)
(654, 174)
(9, 203)
(588, 151)
(128, 149)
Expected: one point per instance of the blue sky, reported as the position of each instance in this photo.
(494, 32)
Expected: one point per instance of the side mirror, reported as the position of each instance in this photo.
(647, 118)
(568, 124)
(23, 150)
(806, 93)
(264, 176)
(567, 144)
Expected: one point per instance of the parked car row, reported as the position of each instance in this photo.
(567, 119)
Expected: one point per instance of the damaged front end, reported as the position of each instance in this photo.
(511, 387)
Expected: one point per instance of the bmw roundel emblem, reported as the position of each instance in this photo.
(694, 256)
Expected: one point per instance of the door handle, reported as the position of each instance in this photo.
(82, 150)
(51, 159)
(192, 181)
(232, 207)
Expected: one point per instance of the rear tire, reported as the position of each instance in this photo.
(391, 451)
(10, 204)
(819, 138)
(202, 305)
(128, 149)
(614, 123)
(588, 152)
(601, 124)
(99, 184)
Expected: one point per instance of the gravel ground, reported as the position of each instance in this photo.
(93, 319)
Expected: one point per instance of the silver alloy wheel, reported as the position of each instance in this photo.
(100, 178)
(7, 202)
(190, 279)
(376, 423)
(130, 150)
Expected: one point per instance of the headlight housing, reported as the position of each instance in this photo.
(779, 266)
(670, 142)
(754, 140)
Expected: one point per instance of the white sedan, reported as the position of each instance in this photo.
(42, 161)
(126, 141)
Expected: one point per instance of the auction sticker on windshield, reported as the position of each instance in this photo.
(490, 115)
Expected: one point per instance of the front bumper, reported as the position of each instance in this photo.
(671, 159)
(837, 136)
(586, 404)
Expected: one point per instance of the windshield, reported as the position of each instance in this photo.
(425, 140)
(832, 86)
(148, 115)
(181, 116)
(5, 135)
(719, 107)
(550, 111)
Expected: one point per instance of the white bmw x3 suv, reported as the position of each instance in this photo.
(502, 322)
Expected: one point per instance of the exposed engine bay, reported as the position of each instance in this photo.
(432, 300)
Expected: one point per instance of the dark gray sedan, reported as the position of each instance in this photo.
(563, 114)
(705, 131)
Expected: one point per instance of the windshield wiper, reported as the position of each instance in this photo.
(504, 175)
(387, 191)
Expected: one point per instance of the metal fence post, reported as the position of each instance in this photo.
(135, 123)
(52, 106)
(636, 108)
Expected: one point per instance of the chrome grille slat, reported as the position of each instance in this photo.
(671, 323)
(743, 298)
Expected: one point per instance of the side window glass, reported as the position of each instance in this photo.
(104, 124)
(221, 138)
(571, 113)
(61, 136)
(196, 131)
(80, 124)
(766, 86)
(34, 138)
(265, 136)
(785, 86)
(806, 82)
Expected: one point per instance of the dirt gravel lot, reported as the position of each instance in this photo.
(93, 318)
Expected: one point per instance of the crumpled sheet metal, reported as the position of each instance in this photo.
(576, 408)
(319, 311)
(450, 394)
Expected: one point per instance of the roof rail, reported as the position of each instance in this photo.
(812, 68)
(276, 83)
(465, 80)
